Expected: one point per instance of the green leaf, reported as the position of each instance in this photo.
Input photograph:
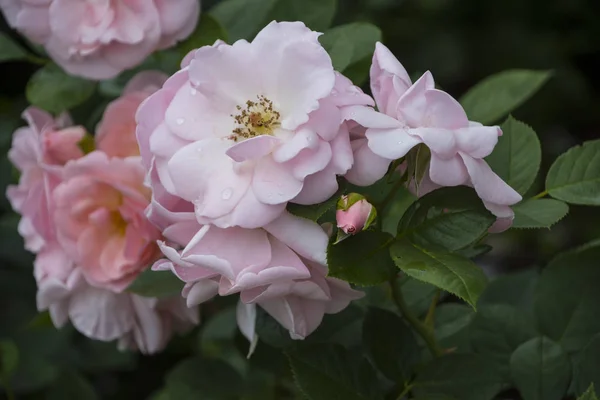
(540, 369)
(587, 366)
(53, 90)
(329, 372)
(539, 213)
(462, 376)
(499, 94)
(391, 344)
(316, 14)
(270, 331)
(451, 326)
(71, 385)
(567, 297)
(497, 330)
(9, 358)
(417, 294)
(242, 18)
(362, 259)
(156, 284)
(9, 50)
(449, 219)
(350, 43)
(590, 394)
(450, 272)
(575, 175)
(515, 289)
(207, 32)
(517, 156)
(202, 378)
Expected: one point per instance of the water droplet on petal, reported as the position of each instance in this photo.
(400, 142)
(180, 121)
(226, 194)
(280, 194)
(193, 92)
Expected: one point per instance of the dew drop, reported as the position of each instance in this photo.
(400, 142)
(280, 194)
(193, 92)
(180, 121)
(226, 194)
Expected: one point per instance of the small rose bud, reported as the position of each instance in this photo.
(354, 214)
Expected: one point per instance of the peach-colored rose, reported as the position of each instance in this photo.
(115, 134)
(100, 219)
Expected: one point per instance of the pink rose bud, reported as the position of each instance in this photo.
(354, 213)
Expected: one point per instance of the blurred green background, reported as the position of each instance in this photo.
(461, 42)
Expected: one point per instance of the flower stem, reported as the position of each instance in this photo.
(404, 392)
(540, 195)
(423, 330)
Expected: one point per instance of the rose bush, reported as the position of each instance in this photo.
(344, 226)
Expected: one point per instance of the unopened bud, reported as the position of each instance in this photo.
(354, 214)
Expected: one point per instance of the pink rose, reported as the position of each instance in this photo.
(242, 129)
(100, 219)
(115, 134)
(39, 151)
(138, 323)
(419, 113)
(98, 39)
(354, 213)
(281, 268)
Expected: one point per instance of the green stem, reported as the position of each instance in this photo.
(36, 60)
(431, 311)
(425, 332)
(540, 195)
(407, 389)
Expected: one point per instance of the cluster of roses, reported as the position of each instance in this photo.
(224, 144)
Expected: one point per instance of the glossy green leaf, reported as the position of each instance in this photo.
(207, 32)
(539, 213)
(9, 50)
(316, 14)
(450, 272)
(55, 91)
(452, 322)
(540, 369)
(449, 218)
(461, 376)
(497, 330)
(517, 156)
(242, 19)
(326, 372)
(156, 284)
(391, 344)
(567, 297)
(350, 43)
(499, 94)
(590, 394)
(362, 259)
(516, 289)
(208, 379)
(71, 385)
(575, 175)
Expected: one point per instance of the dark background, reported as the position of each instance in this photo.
(461, 42)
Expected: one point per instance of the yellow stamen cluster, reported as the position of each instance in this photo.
(255, 119)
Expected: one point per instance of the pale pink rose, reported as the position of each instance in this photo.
(98, 39)
(138, 323)
(100, 220)
(115, 133)
(281, 268)
(242, 129)
(353, 219)
(419, 113)
(39, 152)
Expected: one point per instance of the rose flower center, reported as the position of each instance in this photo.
(255, 119)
